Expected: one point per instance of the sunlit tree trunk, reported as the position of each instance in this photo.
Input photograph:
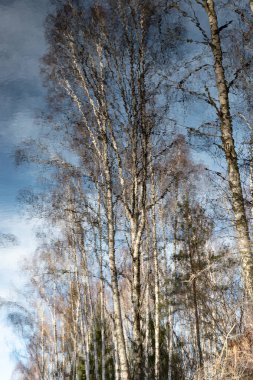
(251, 186)
(102, 292)
(157, 282)
(251, 5)
(84, 263)
(42, 340)
(124, 371)
(136, 298)
(87, 357)
(116, 354)
(147, 331)
(55, 338)
(170, 323)
(170, 341)
(228, 144)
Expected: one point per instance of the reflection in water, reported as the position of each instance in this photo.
(21, 94)
(21, 46)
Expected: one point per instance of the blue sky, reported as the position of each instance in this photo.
(21, 95)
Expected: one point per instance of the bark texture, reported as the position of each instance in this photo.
(124, 372)
(251, 5)
(157, 285)
(241, 224)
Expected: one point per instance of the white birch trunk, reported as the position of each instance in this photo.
(124, 371)
(102, 295)
(251, 6)
(157, 285)
(251, 187)
(87, 357)
(116, 355)
(241, 224)
(147, 332)
(170, 343)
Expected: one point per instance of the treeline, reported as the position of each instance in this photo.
(144, 266)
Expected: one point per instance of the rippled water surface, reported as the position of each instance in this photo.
(21, 45)
(21, 95)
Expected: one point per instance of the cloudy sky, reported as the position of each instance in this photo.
(21, 96)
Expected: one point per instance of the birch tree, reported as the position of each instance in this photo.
(241, 224)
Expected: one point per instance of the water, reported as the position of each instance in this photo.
(21, 94)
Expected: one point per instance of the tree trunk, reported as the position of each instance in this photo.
(102, 293)
(54, 323)
(170, 341)
(170, 322)
(251, 5)
(136, 299)
(124, 371)
(228, 144)
(197, 323)
(116, 354)
(157, 286)
(87, 358)
(147, 322)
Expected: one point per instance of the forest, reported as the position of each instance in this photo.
(144, 261)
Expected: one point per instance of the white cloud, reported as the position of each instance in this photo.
(12, 277)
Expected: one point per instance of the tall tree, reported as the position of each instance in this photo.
(226, 128)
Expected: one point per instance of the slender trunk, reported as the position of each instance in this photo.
(136, 298)
(116, 356)
(85, 340)
(157, 285)
(77, 306)
(124, 371)
(87, 357)
(88, 290)
(193, 251)
(197, 322)
(102, 295)
(251, 178)
(241, 224)
(147, 333)
(42, 344)
(75, 303)
(251, 186)
(139, 141)
(85, 325)
(56, 360)
(170, 343)
(137, 227)
(102, 332)
(172, 300)
(147, 314)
